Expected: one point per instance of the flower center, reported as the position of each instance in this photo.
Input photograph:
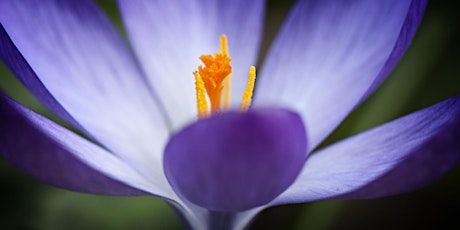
(213, 80)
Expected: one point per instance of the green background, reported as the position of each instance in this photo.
(428, 73)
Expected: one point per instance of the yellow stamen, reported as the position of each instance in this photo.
(216, 68)
(227, 88)
(247, 96)
(227, 83)
(201, 103)
(223, 45)
(214, 78)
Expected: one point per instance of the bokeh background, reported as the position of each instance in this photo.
(429, 73)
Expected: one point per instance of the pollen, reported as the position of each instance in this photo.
(201, 104)
(247, 96)
(213, 82)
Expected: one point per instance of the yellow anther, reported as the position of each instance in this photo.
(216, 68)
(227, 82)
(201, 103)
(214, 78)
(223, 45)
(227, 90)
(247, 96)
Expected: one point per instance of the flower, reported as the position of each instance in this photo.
(137, 106)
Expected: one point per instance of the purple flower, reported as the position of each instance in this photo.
(137, 106)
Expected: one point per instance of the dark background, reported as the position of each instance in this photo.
(429, 73)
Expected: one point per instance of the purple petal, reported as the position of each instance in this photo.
(73, 60)
(330, 55)
(400, 156)
(54, 155)
(243, 219)
(236, 161)
(169, 36)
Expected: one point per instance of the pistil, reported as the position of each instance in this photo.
(214, 81)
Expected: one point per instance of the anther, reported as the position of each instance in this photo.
(214, 78)
(201, 103)
(247, 96)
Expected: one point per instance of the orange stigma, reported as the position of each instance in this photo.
(214, 79)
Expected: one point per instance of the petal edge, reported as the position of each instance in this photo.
(399, 156)
(53, 154)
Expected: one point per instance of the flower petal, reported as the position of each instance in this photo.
(397, 157)
(235, 161)
(243, 219)
(330, 55)
(72, 59)
(169, 36)
(57, 156)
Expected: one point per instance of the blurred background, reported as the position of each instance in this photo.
(429, 73)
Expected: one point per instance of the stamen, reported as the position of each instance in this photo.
(227, 81)
(216, 68)
(227, 88)
(223, 45)
(201, 103)
(247, 96)
(214, 78)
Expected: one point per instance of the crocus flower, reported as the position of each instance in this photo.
(137, 107)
